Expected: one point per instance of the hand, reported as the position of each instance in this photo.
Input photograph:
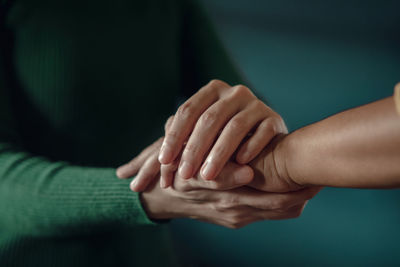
(270, 171)
(211, 201)
(217, 119)
(145, 165)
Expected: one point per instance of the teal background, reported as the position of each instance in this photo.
(309, 59)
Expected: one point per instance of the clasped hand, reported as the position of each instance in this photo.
(221, 161)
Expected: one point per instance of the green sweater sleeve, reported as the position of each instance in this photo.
(39, 196)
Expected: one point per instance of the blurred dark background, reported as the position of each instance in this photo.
(309, 59)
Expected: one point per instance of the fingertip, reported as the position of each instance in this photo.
(166, 186)
(163, 183)
(185, 170)
(208, 170)
(242, 157)
(244, 175)
(161, 159)
(246, 154)
(251, 172)
(165, 156)
(133, 186)
(121, 172)
(127, 170)
(118, 174)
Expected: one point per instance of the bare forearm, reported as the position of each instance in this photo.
(356, 148)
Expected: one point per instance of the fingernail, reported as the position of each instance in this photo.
(165, 154)
(163, 184)
(208, 170)
(243, 175)
(133, 185)
(185, 170)
(244, 157)
(121, 171)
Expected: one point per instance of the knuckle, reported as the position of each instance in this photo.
(211, 185)
(240, 91)
(179, 185)
(184, 187)
(237, 124)
(259, 105)
(214, 206)
(277, 124)
(219, 184)
(168, 123)
(217, 207)
(228, 203)
(168, 169)
(269, 128)
(209, 118)
(186, 110)
(297, 213)
(277, 121)
(171, 135)
(278, 204)
(221, 207)
(217, 83)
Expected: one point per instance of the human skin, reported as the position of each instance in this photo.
(225, 201)
(213, 123)
(357, 148)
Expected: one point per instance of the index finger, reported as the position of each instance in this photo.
(186, 118)
(232, 176)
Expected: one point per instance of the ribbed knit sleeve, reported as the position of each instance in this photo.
(39, 196)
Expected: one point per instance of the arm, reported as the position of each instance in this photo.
(224, 201)
(357, 148)
(40, 196)
(216, 108)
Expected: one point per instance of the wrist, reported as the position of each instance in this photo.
(153, 208)
(291, 154)
(161, 204)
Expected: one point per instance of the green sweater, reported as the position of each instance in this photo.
(84, 87)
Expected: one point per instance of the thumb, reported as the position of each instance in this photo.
(231, 176)
(234, 175)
